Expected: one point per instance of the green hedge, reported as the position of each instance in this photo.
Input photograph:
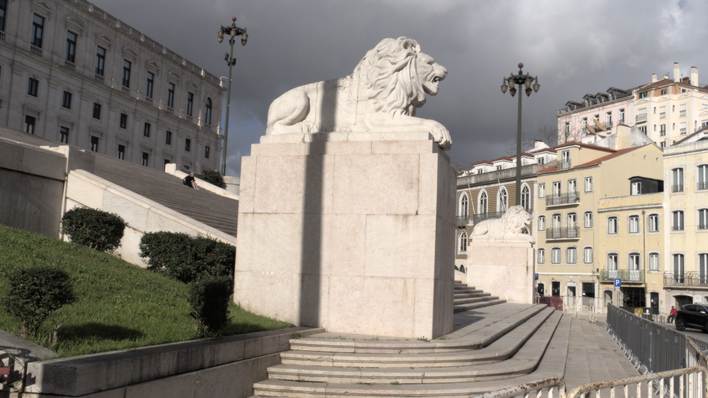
(35, 293)
(209, 298)
(213, 177)
(186, 258)
(93, 228)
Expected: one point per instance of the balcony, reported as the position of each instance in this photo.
(568, 199)
(567, 233)
(701, 185)
(642, 117)
(686, 280)
(625, 275)
(498, 175)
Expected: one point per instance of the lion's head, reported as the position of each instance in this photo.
(396, 76)
(517, 220)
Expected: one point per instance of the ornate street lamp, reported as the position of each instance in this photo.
(529, 84)
(232, 31)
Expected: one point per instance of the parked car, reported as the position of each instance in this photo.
(692, 315)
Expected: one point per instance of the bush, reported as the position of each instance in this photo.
(35, 293)
(93, 228)
(186, 258)
(213, 177)
(209, 298)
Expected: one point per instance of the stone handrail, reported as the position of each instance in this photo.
(690, 382)
(171, 168)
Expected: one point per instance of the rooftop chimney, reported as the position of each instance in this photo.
(654, 79)
(694, 76)
(677, 72)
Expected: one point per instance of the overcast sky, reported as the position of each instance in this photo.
(573, 47)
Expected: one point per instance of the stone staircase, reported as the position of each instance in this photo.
(493, 347)
(468, 298)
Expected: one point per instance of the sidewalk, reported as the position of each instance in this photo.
(593, 356)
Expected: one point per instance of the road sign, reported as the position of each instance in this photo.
(618, 282)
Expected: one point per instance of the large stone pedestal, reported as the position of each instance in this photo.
(350, 232)
(504, 268)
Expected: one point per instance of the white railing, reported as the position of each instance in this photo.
(549, 388)
(680, 383)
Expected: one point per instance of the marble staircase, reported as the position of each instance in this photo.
(492, 347)
(468, 298)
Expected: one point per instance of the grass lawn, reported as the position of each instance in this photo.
(118, 304)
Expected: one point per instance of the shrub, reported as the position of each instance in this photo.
(209, 298)
(186, 258)
(35, 293)
(93, 228)
(213, 177)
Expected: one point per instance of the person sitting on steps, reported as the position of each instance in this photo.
(190, 181)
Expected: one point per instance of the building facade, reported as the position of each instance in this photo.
(73, 74)
(686, 257)
(665, 110)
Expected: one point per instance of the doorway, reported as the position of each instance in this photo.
(555, 288)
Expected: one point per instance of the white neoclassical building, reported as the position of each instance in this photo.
(71, 73)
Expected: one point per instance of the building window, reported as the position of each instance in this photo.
(502, 200)
(653, 223)
(643, 94)
(588, 219)
(208, 112)
(587, 255)
(526, 197)
(463, 209)
(100, 61)
(541, 223)
(187, 145)
(608, 120)
(207, 151)
(634, 262)
(3, 14)
(572, 220)
(37, 30)
(678, 268)
(94, 143)
(124, 121)
(33, 87)
(633, 224)
(556, 255)
(121, 152)
(635, 188)
(462, 243)
(127, 68)
(702, 177)
(612, 225)
(71, 39)
(190, 104)
(146, 129)
(556, 222)
(146, 159)
(612, 262)
(703, 219)
(556, 189)
(588, 184)
(30, 123)
(63, 135)
(483, 203)
(571, 255)
(168, 137)
(66, 100)
(572, 186)
(97, 111)
(653, 261)
(541, 190)
(171, 96)
(662, 130)
(677, 180)
(677, 219)
(150, 85)
(643, 129)
(621, 119)
(540, 256)
(703, 267)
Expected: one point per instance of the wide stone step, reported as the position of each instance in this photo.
(477, 335)
(473, 306)
(471, 300)
(550, 367)
(473, 293)
(501, 349)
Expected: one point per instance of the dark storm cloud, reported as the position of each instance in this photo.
(573, 46)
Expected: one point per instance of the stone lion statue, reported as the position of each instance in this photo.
(515, 224)
(382, 95)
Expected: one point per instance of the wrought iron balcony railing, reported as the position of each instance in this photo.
(570, 198)
(563, 233)
(687, 279)
(625, 275)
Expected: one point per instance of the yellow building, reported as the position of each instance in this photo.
(686, 218)
(574, 195)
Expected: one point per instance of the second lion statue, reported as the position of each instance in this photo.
(514, 225)
(381, 96)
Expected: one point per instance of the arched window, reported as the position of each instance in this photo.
(502, 200)
(464, 206)
(462, 243)
(526, 197)
(483, 202)
(208, 112)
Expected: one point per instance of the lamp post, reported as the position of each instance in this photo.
(529, 84)
(232, 31)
